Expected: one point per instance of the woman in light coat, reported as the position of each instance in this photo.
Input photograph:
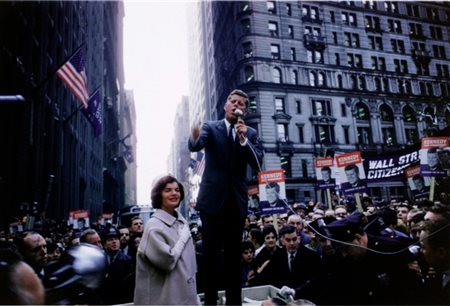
(165, 262)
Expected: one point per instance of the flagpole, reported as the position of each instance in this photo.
(73, 113)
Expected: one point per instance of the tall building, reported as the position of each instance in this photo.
(51, 162)
(128, 146)
(178, 161)
(329, 76)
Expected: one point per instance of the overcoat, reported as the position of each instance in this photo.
(163, 275)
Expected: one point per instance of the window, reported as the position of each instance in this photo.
(439, 51)
(411, 135)
(293, 55)
(361, 83)
(335, 40)
(361, 112)
(349, 19)
(249, 75)
(398, 46)
(372, 24)
(436, 33)
(291, 31)
(321, 107)
(304, 164)
(394, 26)
(345, 130)
(312, 78)
(294, 77)
(337, 59)
(273, 28)
(282, 132)
(409, 115)
(275, 51)
(401, 66)
(288, 9)
(298, 106)
(245, 25)
(388, 135)
(271, 8)
(391, 6)
(413, 10)
(354, 60)
(378, 63)
(340, 81)
(314, 56)
(252, 104)
(370, 4)
(386, 113)
(248, 49)
(285, 163)
(375, 42)
(433, 14)
(300, 134)
(310, 12)
(364, 135)
(276, 75)
(321, 79)
(415, 30)
(351, 39)
(324, 133)
(279, 105)
(332, 17)
(442, 70)
(377, 83)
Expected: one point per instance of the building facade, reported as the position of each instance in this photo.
(51, 162)
(327, 77)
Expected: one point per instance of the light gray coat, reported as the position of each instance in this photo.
(163, 275)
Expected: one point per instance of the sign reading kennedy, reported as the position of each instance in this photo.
(324, 170)
(351, 172)
(419, 185)
(272, 191)
(434, 156)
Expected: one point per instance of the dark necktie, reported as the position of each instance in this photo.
(230, 134)
(291, 261)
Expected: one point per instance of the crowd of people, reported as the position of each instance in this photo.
(384, 253)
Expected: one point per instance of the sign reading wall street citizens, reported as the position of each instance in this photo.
(389, 167)
(272, 192)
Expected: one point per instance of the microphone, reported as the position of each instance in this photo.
(238, 113)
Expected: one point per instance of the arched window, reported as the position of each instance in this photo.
(276, 75)
(353, 82)
(377, 82)
(361, 112)
(409, 115)
(249, 75)
(362, 83)
(386, 113)
(294, 77)
(312, 78)
(430, 90)
(422, 88)
(321, 79)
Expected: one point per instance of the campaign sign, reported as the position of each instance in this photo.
(324, 171)
(435, 157)
(389, 168)
(79, 219)
(418, 184)
(351, 173)
(272, 192)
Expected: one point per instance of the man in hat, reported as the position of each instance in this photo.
(376, 268)
(117, 286)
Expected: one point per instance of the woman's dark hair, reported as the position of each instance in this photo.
(159, 187)
(269, 229)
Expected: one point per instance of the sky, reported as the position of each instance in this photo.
(155, 63)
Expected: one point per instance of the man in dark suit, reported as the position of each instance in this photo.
(229, 146)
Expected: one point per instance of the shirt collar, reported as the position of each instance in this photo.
(166, 217)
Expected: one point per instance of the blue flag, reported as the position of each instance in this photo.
(94, 112)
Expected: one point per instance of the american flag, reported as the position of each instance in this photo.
(200, 165)
(73, 75)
